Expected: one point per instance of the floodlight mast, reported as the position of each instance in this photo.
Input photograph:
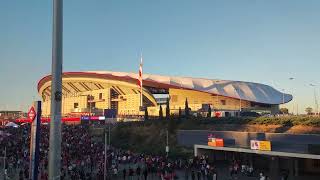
(56, 92)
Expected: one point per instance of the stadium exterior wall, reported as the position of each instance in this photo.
(91, 92)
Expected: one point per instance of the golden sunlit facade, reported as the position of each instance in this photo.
(93, 93)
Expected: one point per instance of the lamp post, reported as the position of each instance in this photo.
(240, 106)
(283, 90)
(315, 98)
(167, 146)
(217, 96)
(4, 163)
(56, 92)
(291, 79)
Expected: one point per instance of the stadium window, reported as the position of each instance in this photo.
(100, 96)
(223, 102)
(75, 105)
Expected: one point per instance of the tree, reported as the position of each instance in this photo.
(146, 116)
(284, 111)
(180, 113)
(209, 111)
(160, 113)
(168, 109)
(309, 110)
(186, 108)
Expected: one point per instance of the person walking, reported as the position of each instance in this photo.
(193, 176)
(124, 173)
(145, 173)
(130, 173)
(186, 173)
(138, 172)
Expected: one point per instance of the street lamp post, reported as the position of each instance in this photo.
(56, 92)
(240, 106)
(217, 96)
(105, 153)
(283, 91)
(293, 104)
(4, 163)
(315, 98)
(167, 146)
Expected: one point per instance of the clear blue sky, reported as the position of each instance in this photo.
(254, 40)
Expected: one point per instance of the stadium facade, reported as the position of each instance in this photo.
(93, 92)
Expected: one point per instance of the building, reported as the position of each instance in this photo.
(296, 154)
(11, 115)
(7, 116)
(93, 92)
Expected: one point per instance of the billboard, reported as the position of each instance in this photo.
(260, 145)
(215, 142)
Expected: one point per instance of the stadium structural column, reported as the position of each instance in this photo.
(56, 92)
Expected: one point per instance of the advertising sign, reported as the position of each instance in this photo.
(31, 113)
(219, 142)
(255, 145)
(265, 146)
(260, 145)
(215, 142)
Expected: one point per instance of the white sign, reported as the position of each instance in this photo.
(167, 149)
(255, 145)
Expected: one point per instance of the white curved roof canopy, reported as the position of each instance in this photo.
(249, 91)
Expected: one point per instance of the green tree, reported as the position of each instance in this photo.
(186, 108)
(209, 111)
(146, 115)
(168, 109)
(309, 110)
(284, 111)
(160, 113)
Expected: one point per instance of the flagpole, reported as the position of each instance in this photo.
(141, 81)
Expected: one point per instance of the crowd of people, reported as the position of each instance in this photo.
(128, 165)
(83, 158)
(80, 155)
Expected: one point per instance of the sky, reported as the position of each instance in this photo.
(264, 41)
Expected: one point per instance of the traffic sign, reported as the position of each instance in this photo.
(31, 114)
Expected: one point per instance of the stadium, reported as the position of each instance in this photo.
(94, 92)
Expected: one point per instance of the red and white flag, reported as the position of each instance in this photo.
(140, 74)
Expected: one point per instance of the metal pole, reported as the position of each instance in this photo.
(105, 154)
(141, 89)
(109, 136)
(217, 102)
(240, 103)
(167, 147)
(4, 163)
(282, 96)
(56, 92)
(315, 101)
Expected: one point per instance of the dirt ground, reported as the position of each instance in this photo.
(268, 128)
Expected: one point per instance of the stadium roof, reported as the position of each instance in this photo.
(249, 91)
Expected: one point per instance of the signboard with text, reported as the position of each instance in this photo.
(265, 146)
(260, 145)
(215, 142)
